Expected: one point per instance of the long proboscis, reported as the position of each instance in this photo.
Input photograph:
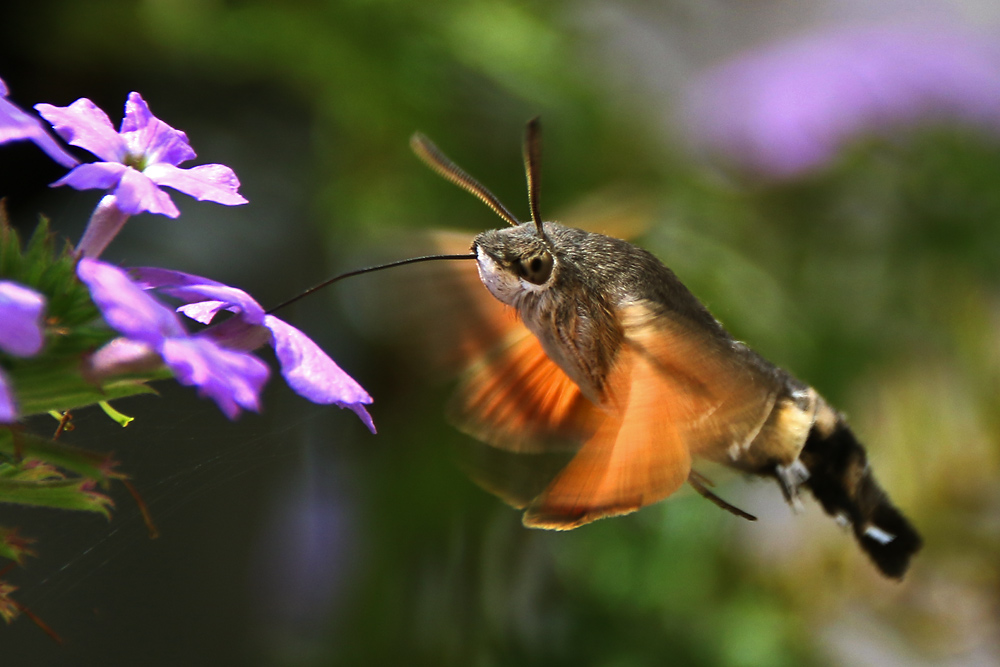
(367, 269)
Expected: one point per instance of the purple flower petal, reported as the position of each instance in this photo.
(307, 369)
(312, 374)
(202, 312)
(136, 193)
(21, 313)
(8, 409)
(121, 356)
(789, 108)
(148, 136)
(232, 379)
(125, 306)
(83, 124)
(193, 290)
(44, 140)
(151, 277)
(16, 125)
(236, 334)
(102, 175)
(212, 182)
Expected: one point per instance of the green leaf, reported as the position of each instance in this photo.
(31, 470)
(92, 465)
(9, 610)
(57, 385)
(13, 546)
(69, 494)
(10, 246)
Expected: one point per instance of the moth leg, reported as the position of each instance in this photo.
(695, 476)
(698, 483)
(790, 478)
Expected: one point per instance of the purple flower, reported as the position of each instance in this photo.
(21, 334)
(789, 108)
(232, 378)
(307, 369)
(138, 159)
(16, 125)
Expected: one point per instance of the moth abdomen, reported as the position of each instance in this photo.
(841, 480)
(806, 443)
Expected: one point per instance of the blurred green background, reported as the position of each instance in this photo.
(296, 538)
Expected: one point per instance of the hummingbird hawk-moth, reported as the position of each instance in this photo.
(613, 364)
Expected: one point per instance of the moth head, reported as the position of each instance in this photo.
(515, 261)
(512, 261)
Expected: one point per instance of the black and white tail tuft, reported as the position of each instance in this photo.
(841, 480)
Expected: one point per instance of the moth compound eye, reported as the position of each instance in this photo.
(536, 268)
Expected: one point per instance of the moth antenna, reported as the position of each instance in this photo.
(532, 159)
(439, 162)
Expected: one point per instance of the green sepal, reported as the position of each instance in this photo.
(49, 266)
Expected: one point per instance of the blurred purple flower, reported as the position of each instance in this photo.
(307, 369)
(789, 108)
(8, 409)
(233, 379)
(16, 125)
(21, 334)
(308, 551)
(21, 312)
(138, 159)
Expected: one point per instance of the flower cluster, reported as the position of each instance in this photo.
(78, 331)
(135, 163)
